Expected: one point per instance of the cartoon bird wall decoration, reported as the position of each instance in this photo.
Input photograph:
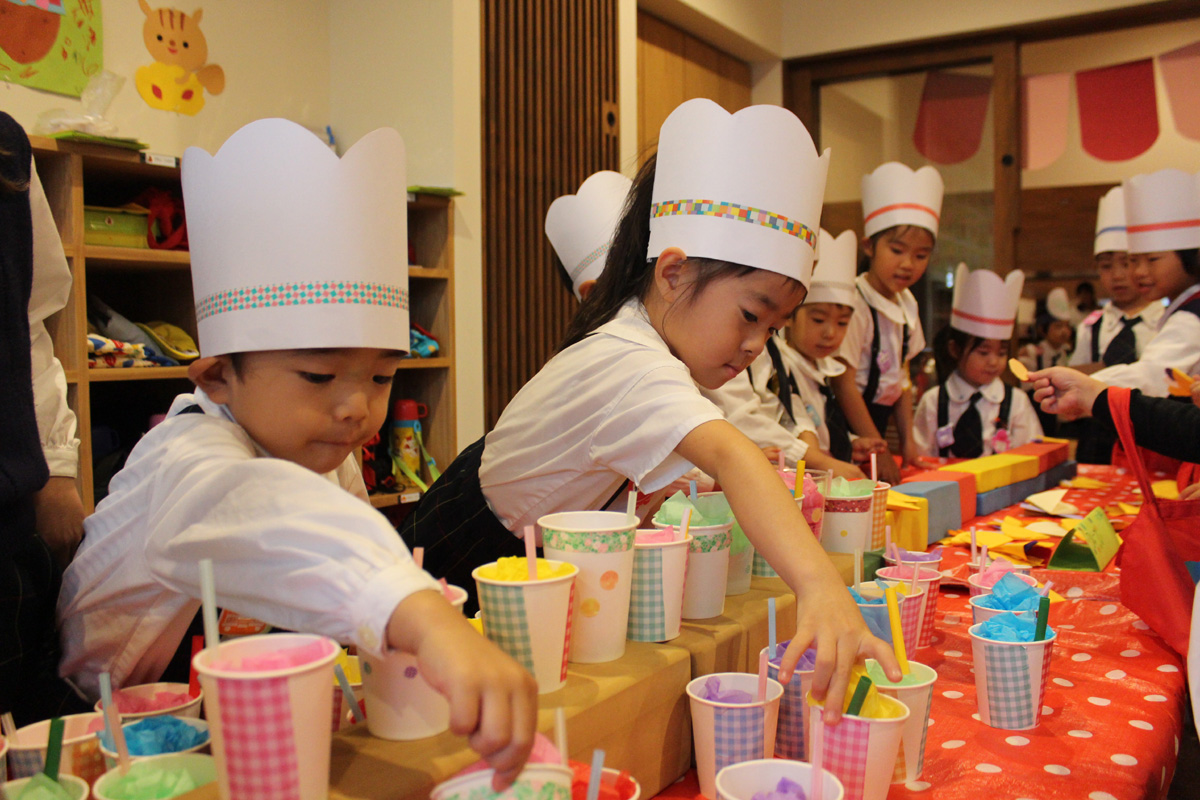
(179, 75)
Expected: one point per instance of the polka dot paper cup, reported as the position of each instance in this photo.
(848, 524)
(401, 705)
(600, 544)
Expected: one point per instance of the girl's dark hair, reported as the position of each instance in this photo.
(10, 184)
(627, 272)
(963, 342)
(1191, 261)
(896, 231)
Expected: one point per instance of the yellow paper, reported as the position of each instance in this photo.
(872, 707)
(1013, 528)
(1051, 502)
(349, 667)
(1165, 490)
(1128, 508)
(1084, 482)
(1049, 527)
(1014, 552)
(903, 502)
(1070, 524)
(989, 539)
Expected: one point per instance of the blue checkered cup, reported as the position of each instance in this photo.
(861, 751)
(600, 544)
(915, 690)
(727, 732)
(1010, 680)
(656, 599)
(530, 620)
(81, 754)
(541, 781)
(749, 779)
(791, 740)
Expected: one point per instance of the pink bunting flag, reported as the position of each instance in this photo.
(1181, 75)
(951, 116)
(1118, 110)
(1044, 103)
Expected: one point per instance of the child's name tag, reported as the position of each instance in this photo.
(944, 436)
(886, 361)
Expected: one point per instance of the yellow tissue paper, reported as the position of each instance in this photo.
(1165, 490)
(992, 472)
(349, 667)
(910, 525)
(514, 568)
(873, 707)
(1013, 528)
(1083, 482)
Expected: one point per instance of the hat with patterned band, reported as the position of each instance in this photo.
(895, 195)
(985, 305)
(580, 226)
(833, 276)
(1162, 211)
(745, 188)
(292, 247)
(1110, 224)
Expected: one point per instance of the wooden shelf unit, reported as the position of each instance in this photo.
(145, 285)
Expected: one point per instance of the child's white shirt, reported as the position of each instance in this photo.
(610, 407)
(1023, 424)
(1108, 322)
(856, 347)
(1051, 356)
(809, 377)
(1177, 344)
(290, 547)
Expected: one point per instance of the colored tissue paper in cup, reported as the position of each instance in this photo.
(536, 782)
(155, 699)
(75, 788)
(861, 750)
(656, 597)
(873, 606)
(776, 778)
(600, 544)
(401, 705)
(615, 784)
(529, 620)
(160, 777)
(983, 582)
(81, 755)
(811, 497)
(1010, 676)
(156, 736)
(267, 700)
(930, 581)
(791, 739)
(914, 690)
(729, 725)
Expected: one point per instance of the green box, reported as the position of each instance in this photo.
(118, 227)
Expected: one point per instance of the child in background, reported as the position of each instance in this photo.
(1054, 347)
(973, 413)
(713, 254)
(580, 228)
(302, 307)
(1162, 210)
(901, 211)
(1085, 302)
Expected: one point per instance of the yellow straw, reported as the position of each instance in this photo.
(893, 606)
(798, 487)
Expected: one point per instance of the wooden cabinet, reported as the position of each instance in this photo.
(114, 406)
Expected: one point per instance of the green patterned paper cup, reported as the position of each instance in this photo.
(600, 544)
(531, 621)
(918, 696)
(656, 603)
(536, 782)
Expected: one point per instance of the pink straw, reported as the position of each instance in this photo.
(817, 789)
(974, 551)
(418, 555)
(782, 463)
(983, 557)
(887, 540)
(762, 676)
(531, 552)
(874, 468)
(912, 587)
(1046, 588)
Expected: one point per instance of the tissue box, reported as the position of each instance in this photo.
(1049, 454)
(909, 521)
(992, 472)
(966, 487)
(945, 512)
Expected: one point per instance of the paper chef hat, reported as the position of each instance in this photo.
(895, 195)
(293, 247)
(1110, 223)
(985, 305)
(837, 263)
(1058, 304)
(580, 226)
(1162, 211)
(745, 188)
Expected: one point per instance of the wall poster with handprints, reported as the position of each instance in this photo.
(55, 45)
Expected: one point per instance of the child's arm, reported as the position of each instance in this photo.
(493, 700)
(816, 458)
(773, 523)
(904, 426)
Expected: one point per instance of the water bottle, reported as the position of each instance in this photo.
(406, 415)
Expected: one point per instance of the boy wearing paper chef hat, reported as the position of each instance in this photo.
(302, 310)
(973, 413)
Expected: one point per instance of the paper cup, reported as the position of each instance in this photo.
(730, 733)
(861, 752)
(200, 768)
(911, 608)
(928, 579)
(401, 705)
(80, 754)
(761, 569)
(531, 621)
(269, 728)
(745, 780)
(737, 581)
(814, 510)
(791, 739)
(707, 571)
(609, 776)
(542, 781)
(934, 564)
(147, 691)
(977, 588)
(656, 599)
(918, 698)
(600, 544)
(879, 496)
(340, 716)
(1010, 680)
(76, 787)
(981, 614)
(847, 524)
(973, 567)
(110, 754)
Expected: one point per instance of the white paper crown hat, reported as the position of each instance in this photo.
(1110, 223)
(1058, 304)
(580, 226)
(292, 247)
(895, 195)
(833, 276)
(745, 188)
(1162, 211)
(985, 305)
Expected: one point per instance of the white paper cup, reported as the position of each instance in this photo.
(191, 708)
(707, 571)
(1010, 680)
(656, 599)
(910, 761)
(973, 567)
(740, 569)
(110, 756)
(730, 733)
(600, 544)
(861, 752)
(269, 728)
(531, 621)
(76, 787)
(879, 496)
(791, 733)
(201, 768)
(929, 580)
(847, 524)
(745, 780)
(401, 705)
(535, 781)
(981, 614)
(340, 709)
(80, 754)
(978, 588)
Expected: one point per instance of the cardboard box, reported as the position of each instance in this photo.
(992, 472)
(966, 487)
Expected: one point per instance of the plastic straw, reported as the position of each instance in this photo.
(560, 733)
(208, 600)
(887, 542)
(912, 586)
(418, 554)
(531, 552)
(782, 464)
(773, 647)
(858, 558)
(893, 607)
(692, 491)
(762, 676)
(10, 727)
(974, 551)
(112, 721)
(817, 787)
(798, 486)
(983, 557)
(1046, 589)
(860, 696)
(687, 521)
(348, 691)
(874, 468)
(593, 790)
(54, 750)
(106, 700)
(1043, 614)
(631, 506)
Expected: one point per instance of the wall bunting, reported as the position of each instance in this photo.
(951, 116)
(1118, 110)
(1044, 103)
(54, 45)
(1181, 75)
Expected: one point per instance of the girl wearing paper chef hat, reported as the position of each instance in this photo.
(713, 253)
(972, 412)
(580, 227)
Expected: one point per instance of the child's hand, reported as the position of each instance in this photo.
(1190, 492)
(772, 454)
(888, 471)
(493, 700)
(862, 447)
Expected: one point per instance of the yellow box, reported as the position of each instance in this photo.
(992, 472)
(910, 526)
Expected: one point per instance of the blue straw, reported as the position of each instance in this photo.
(692, 491)
(593, 790)
(348, 692)
(106, 700)
(771, 626)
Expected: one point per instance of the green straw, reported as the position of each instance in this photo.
(860, 696)
(1043, 614)
(54, 749)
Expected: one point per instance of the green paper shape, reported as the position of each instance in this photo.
(1092, 555)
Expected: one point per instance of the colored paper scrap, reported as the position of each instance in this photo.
(1084, 482)
(1118, 110)
(1049, 527)
(1165, 490)
(1095, 552)
(1051, 502)
(1012, 527)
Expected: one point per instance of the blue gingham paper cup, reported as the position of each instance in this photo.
(750, 778)
(1010, 680)
(656, 599)
(541, 781)
(730, 733)
(761, 569)
(791, 740)
(81, 755)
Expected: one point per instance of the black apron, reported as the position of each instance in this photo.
(880, 414)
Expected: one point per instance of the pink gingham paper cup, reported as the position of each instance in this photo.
(928, 579)
(745, 780)
(76, 787)
(861, 751)
(540, 781)
(910, 606)
(879, 496)
(918, 696)
(81, 755)
(1010, 680)
(730, 733)
(270, 728)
